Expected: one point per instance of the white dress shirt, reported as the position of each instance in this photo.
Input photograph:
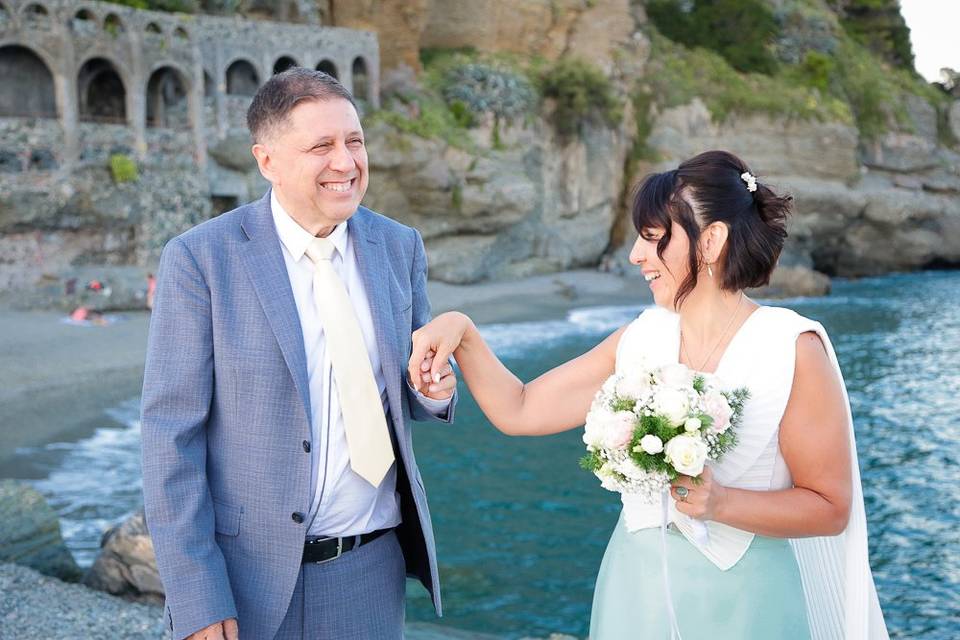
(344, 504)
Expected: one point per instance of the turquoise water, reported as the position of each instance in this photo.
(521, 530)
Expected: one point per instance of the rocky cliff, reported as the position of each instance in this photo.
(512, 133)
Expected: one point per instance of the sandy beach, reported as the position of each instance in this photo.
(56, 379)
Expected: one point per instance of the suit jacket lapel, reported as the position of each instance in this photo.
(373, 261)
(263, 261)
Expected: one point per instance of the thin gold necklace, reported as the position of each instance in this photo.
(683, 345)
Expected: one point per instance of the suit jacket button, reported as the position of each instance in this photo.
(306, 446)
(297, 517)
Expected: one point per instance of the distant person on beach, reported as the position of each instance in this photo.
(785, 555)
(280, 485)
(151, 289)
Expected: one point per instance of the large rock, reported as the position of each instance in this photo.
(127, 565)
(899, 230)
(771, 146)
(30, 532)
(592, 29)
(534, 205)
(398, 24)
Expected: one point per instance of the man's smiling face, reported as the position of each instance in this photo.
(318, 162)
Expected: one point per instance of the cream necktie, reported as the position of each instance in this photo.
(368, 439)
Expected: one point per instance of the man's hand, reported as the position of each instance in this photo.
(433, 344)
(443, 383)
(223, 630)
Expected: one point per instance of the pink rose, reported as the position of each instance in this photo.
(619, 429)
(718, 408)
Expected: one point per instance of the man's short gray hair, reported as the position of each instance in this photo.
(281, 93)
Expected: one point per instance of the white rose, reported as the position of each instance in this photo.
(687, 454)
(692, 425)
(610, 385)
(629, 470)
(634, 385)
(651, 444)
(672, 404)
(594, 427)
(676, 375)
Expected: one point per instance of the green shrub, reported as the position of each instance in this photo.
(677, 75)
(179, 6)
(582, 94)
(483, 87)
(878, 25)
(433, 120)
(817, 69)
(434, 56)
(742, 31)
(123, 168)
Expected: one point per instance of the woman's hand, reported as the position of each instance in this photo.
(433, 344)
(703, 500)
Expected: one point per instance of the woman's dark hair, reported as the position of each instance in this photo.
(707, 189)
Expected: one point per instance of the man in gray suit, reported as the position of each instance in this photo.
(281, 490)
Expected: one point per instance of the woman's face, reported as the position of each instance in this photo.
(664, 276)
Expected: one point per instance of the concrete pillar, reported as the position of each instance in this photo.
(220, 89)
(195, 108)
(68, 101)
(136, 86)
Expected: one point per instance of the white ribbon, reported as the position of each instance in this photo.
(664, 520)
(700, 533)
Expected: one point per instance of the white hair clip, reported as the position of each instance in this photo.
(751, 181)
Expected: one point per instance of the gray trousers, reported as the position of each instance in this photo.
(358, 596)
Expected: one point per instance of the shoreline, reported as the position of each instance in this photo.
(57, 380)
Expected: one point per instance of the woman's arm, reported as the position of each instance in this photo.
(556, 401)
(815, 443)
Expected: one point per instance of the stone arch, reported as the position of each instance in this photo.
(242, 78)
(84, 21)
(361, 79)
(167, 105)
(153, 30)
(113, 25)
(101, 93)
(27, 89)
(36, 14)
(181, 34)
(327, 66)
(283, 63)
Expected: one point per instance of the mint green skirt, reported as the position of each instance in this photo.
(759, 597)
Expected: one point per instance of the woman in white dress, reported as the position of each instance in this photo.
(786, 554)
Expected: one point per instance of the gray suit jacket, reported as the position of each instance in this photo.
(225, 411)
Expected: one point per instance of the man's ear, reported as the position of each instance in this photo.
(264, 162)
(713, 239)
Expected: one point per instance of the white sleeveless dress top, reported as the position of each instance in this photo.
(838, 585)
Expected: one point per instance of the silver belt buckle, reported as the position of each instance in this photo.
(339, 552)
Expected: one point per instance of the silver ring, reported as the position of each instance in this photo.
(683, 492)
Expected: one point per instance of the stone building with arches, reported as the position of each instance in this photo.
(79, 72)
(83, 82)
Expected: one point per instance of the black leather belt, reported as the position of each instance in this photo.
(321, 550)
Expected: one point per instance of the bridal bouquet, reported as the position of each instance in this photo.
(648, 426)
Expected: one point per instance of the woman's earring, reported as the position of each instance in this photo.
(710, 270)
